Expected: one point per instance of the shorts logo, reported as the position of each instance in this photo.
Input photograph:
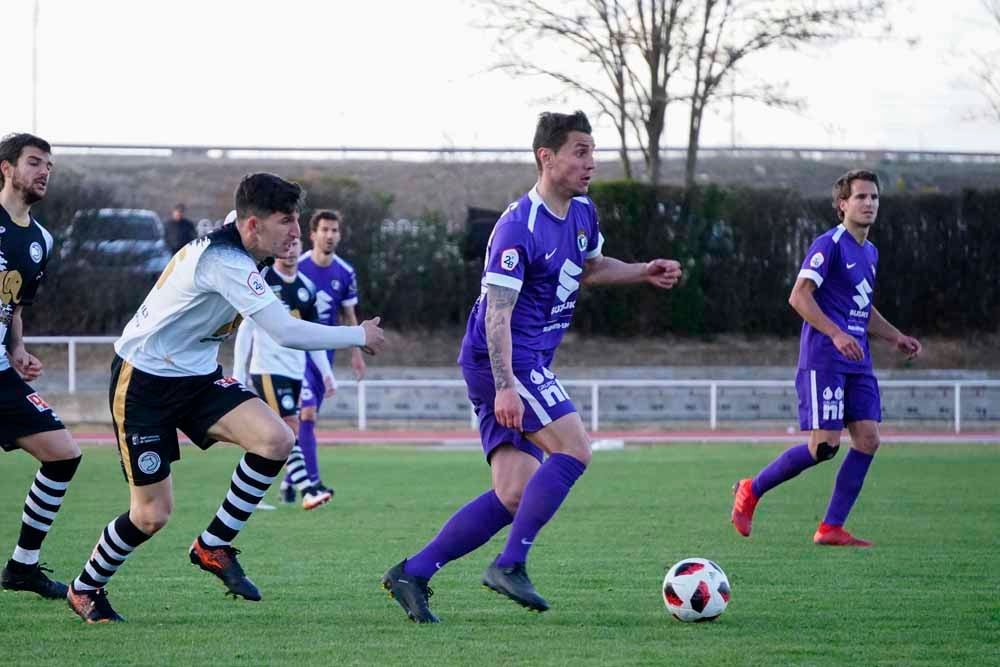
(256, 284)
(35, 250)
(227, 382)
(148, 462)
(509, 259)
(581, 241)
(287, 402)
(548, 386)
(817, 260)
(833, 404)
(38, 402)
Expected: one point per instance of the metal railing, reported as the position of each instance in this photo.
(223, 151)
(594, 386)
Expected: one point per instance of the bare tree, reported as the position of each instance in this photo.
(634, 46)
(729, 31)
(986, 67)
(630, 56)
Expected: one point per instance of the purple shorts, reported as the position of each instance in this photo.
(828, 400)
(312, 387)
(544, 398)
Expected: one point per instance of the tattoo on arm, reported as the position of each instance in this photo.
(499, 305)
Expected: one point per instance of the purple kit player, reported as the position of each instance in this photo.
(336, 296)
(541, 250)
(835, 382)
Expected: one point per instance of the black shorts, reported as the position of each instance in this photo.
(148, 409)
(23, 411)
(278, 391)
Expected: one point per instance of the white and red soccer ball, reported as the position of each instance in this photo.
(696, 589)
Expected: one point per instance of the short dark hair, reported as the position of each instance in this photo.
(554, 128)
(842, 187)
(263, 194)
(12, 145)
(321, 215)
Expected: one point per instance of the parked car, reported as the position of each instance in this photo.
(128, 240)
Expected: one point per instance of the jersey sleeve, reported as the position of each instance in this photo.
(309, 312)
(818, 260)
(595, 241)
(29, 291)
(237, 279)
(509, 254)
(351, 291)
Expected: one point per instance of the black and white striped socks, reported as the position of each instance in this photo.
(41, 505)
(251, 480)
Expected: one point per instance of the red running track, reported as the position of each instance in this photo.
(469, 437)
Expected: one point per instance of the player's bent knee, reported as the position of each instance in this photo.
(867, 445)
(278, 445)
(150, 519)
(510, 497)
(826, 451)
(580, 451)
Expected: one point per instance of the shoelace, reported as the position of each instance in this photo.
(231, 553)
(101, 603)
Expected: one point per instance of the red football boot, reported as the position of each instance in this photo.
(836, 536)
(744, 504)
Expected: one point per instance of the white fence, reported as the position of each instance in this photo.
(594, 386)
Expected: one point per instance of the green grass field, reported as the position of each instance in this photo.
(928, 594)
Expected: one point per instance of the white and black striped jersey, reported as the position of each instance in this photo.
(24, 254)
(198, 302)
(299, 296)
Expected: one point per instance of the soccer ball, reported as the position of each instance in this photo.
(696, 589)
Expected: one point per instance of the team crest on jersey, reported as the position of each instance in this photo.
(581, 241)
(817, 260)
(303, 294)
(335, 285)
(509, 259)
(35, 250)
(38, 402)
(256, 284)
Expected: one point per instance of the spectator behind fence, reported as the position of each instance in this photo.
(179, 230)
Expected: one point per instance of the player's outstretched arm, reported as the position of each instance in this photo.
(288, 331)
(507, 406)
(601, 270)
(881, 327)
(804, 303)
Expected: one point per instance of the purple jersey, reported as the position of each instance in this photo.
(336, 286)
(844, 273)
(540, 256)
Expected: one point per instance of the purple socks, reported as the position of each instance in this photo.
(468, 529)
(543, 495)
(790, 463)
(850, 479)
(307, 443)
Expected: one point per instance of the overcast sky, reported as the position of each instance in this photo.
(406, 73)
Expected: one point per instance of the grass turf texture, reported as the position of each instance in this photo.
(928, 594)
